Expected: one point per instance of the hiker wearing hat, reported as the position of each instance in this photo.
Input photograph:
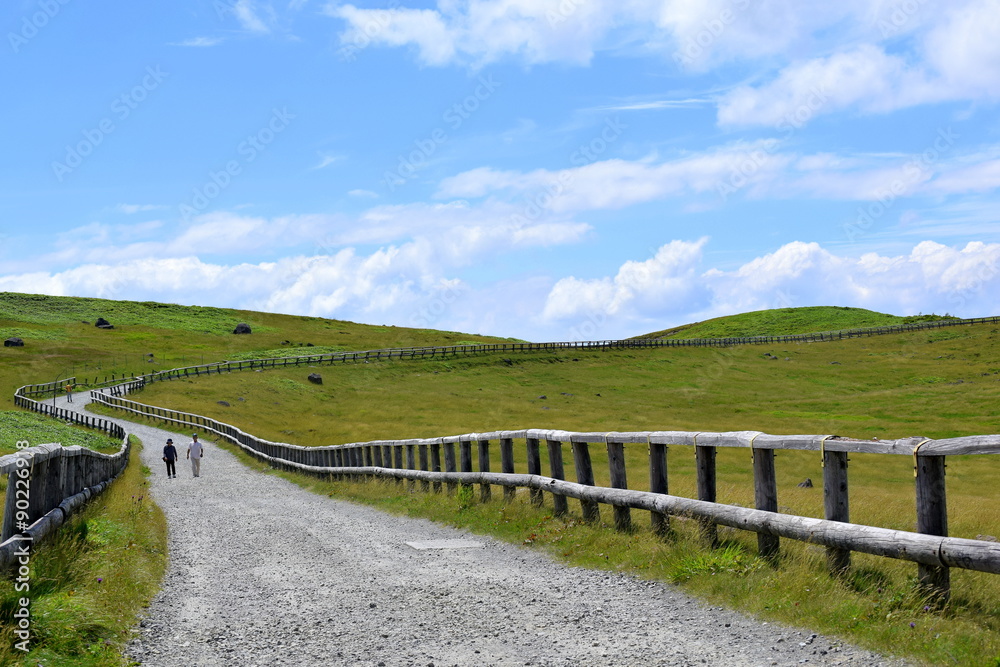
(169, 456)
(195, 452)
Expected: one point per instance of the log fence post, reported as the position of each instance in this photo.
(836, 506)
(705, 460)
(765, 493)
(424, 465)
(660, 523)
(449, 463)
(465, 459)
(619, 480)
(485, 493)
(436, 463)
(534, 468)
(411, 464)
(556, 472)
(507, 466)
(932, 519)
(585, 475)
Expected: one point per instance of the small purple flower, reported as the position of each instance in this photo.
(100, 579)
(912, 624)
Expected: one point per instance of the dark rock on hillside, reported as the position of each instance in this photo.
(13, 342)
(101, 322)
(242, 328)
(316, 378)
(105, 326)
(224, 404)
(808, 484)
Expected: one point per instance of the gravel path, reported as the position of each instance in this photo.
(264, 573)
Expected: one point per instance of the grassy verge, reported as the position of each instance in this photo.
(91, 581)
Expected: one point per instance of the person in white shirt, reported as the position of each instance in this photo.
(194, 453)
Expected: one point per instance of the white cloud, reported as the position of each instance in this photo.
(246, 14)
(201, 42)
(326, 161)
(674, 287)
(953, 54)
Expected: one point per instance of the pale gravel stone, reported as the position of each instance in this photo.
(263, 573)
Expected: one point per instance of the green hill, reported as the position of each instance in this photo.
(787, 321)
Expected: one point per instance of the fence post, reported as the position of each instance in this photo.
(619, 480)
(507, 466)
(658, 484)
(932, 519)
(397, 459)
(424, 465)
(765, 492)
(485, 493)
(436, 462)
(465, 456)
(411, 464)
(557, 472)
(534, 468)
(449, 463)
(705, 459)
(585, 475)
(835, 505)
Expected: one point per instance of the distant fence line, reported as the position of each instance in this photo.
(433, 462)
(446, 351)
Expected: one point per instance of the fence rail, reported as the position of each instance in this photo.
(433, 461)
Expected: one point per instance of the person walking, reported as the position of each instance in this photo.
(195, 452)
(170, 457)
(69, 393)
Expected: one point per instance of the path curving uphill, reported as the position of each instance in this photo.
(264, 573)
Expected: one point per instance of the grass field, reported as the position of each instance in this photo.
(934, 383)
(787, 321)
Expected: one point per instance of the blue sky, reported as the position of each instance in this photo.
(550, 170)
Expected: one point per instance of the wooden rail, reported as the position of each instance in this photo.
(930, 547)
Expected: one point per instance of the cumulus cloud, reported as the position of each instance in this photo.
(675, 287)
(956, 56)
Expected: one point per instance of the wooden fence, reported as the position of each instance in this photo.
(450, 351)
(47, 483)
(22, 399)
(433, 462)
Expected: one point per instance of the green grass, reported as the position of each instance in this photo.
(788, 321)
(38, 429)
(89, 584)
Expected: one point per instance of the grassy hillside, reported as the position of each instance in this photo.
(61, 339)
(787, 321)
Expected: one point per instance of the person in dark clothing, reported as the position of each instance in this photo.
(169, 457)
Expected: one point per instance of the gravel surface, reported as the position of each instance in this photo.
(264, 573)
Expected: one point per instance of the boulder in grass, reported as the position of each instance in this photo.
(807, 484)
(242, 328)
(316, 378)
(101, 322)
(13, 342)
